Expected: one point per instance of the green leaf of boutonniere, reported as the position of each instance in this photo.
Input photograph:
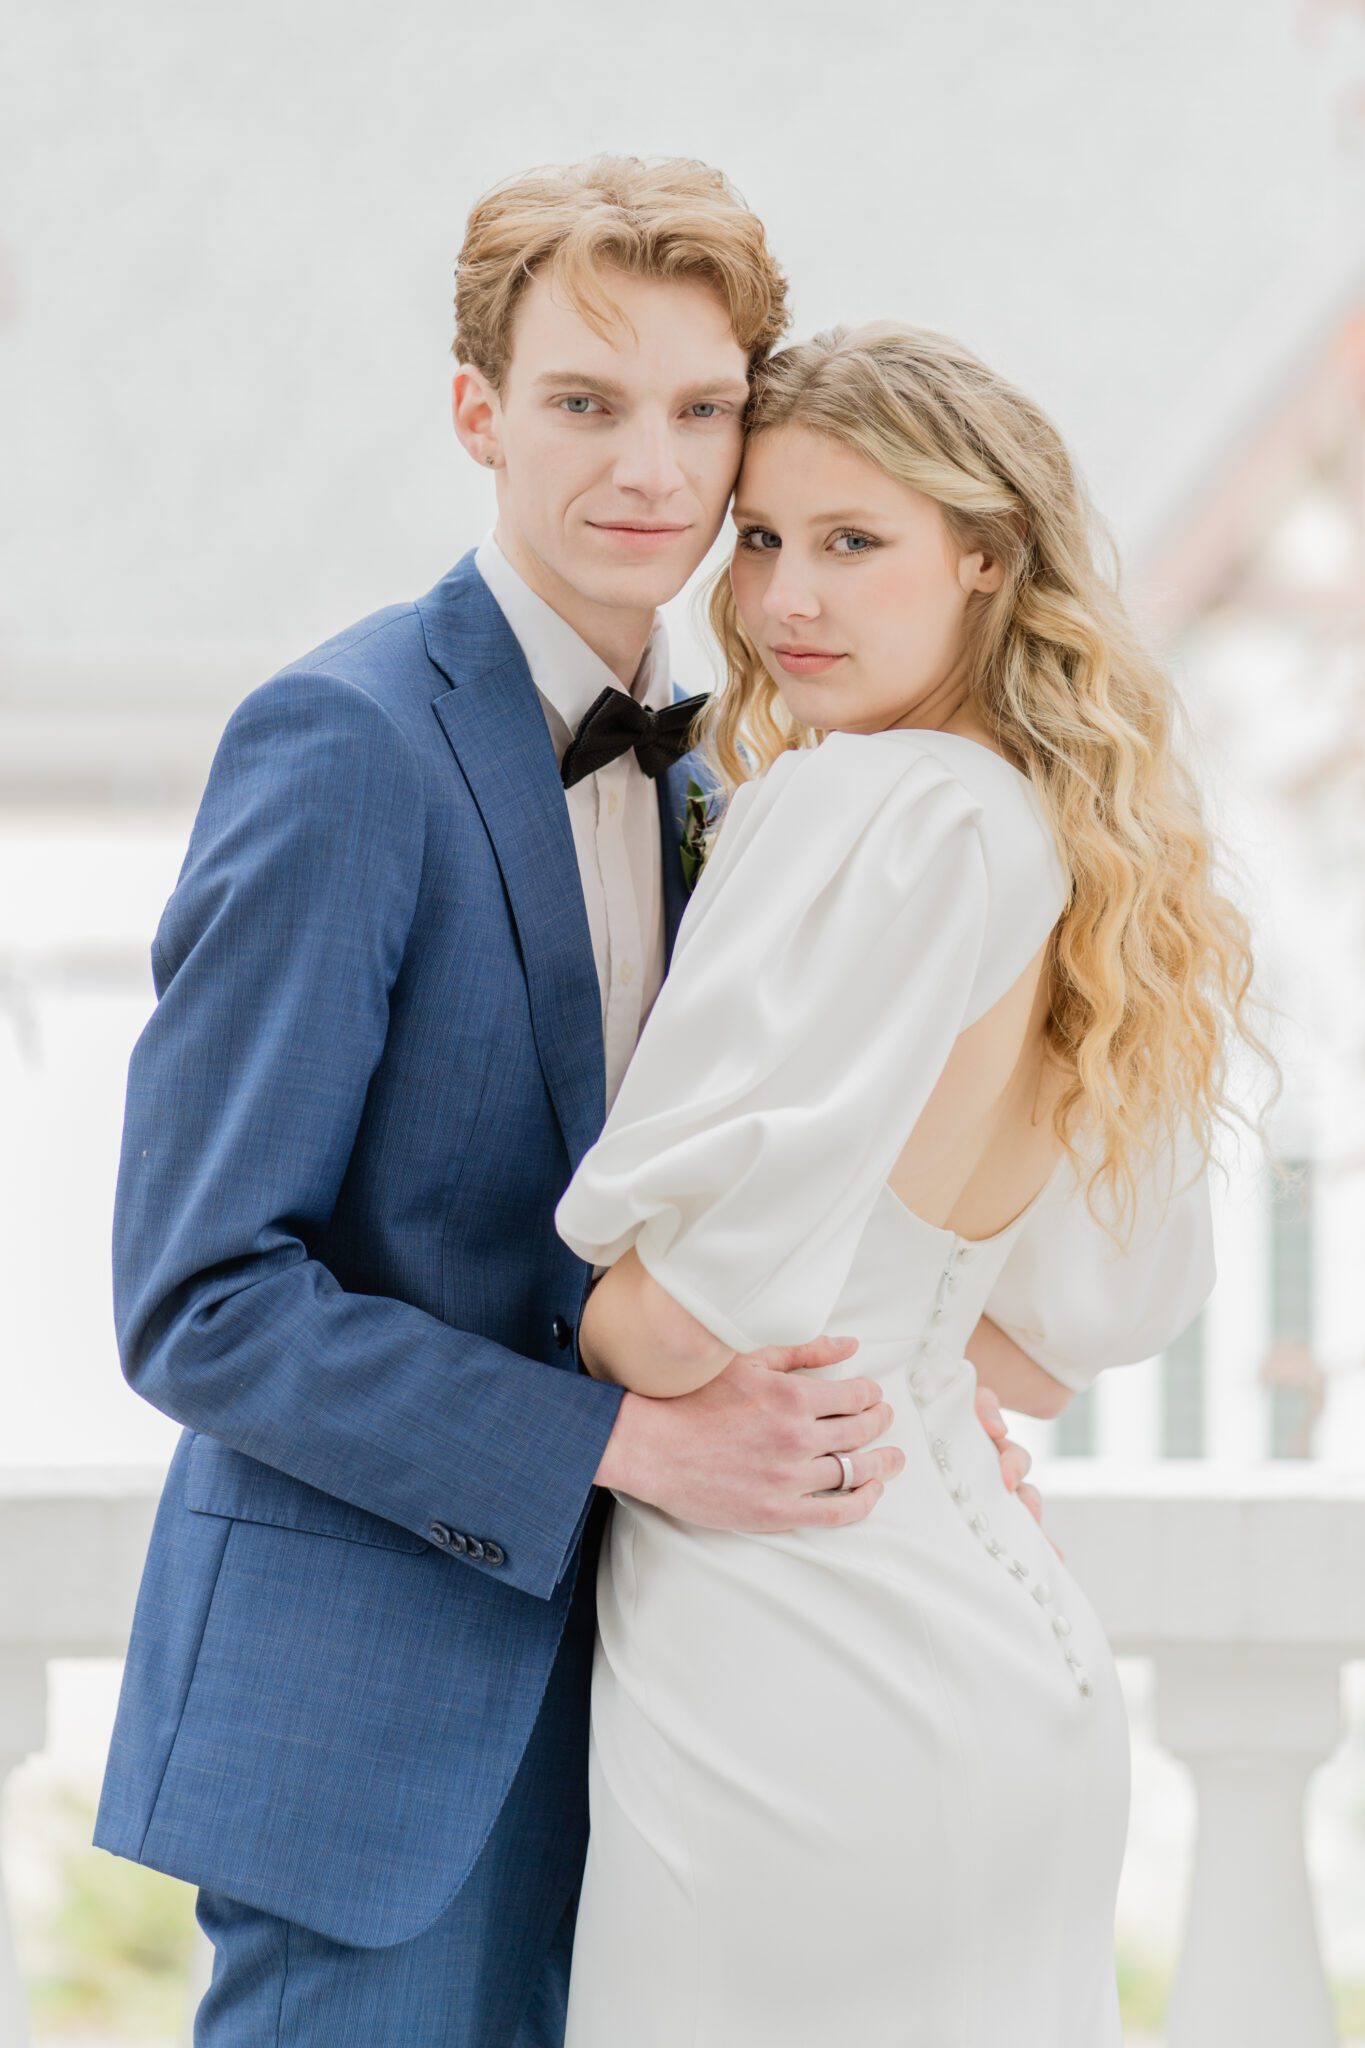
(696, 822)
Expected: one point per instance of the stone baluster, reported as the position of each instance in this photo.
(23, 1729)
(1251, 1724)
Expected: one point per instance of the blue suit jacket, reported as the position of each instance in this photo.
(375, 1060)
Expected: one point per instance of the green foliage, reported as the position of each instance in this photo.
(111, 1957)
(1143, 1990)
(1350, 2009)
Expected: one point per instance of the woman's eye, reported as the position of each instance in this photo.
(859, 543)
(756, 540)
(578, 404)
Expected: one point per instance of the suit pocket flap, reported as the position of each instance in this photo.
(220, 1481)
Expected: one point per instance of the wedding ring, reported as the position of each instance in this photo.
(846, 1464)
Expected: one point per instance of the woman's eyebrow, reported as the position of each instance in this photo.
(854, 517)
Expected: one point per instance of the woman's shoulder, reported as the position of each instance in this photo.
(902, 794)
(850, 797)
(913, 775)
(1024, 865)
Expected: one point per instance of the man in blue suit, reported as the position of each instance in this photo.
(428, 897)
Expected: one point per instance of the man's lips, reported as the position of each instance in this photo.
(638, 533)
(805, 661)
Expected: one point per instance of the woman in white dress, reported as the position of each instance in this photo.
(942, 1039)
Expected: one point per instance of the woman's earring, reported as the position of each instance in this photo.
(489, 460)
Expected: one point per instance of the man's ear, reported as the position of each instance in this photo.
(477, 414)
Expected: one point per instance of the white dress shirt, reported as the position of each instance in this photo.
(614, 813)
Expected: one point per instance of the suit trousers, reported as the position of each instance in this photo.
(492, 1971)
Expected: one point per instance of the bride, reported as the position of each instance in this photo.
(944, 1035)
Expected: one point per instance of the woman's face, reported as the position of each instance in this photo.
(850, 586)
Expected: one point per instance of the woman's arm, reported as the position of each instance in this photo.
(635, 1334)
(1012, 1376)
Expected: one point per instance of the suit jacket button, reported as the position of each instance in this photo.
(439, 1533)
(563, 1333)
(493, 1553)
(475, 1547)
(458, 1543)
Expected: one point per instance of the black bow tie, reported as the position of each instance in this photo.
(614, 722)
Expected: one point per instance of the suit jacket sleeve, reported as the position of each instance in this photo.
(273, 963)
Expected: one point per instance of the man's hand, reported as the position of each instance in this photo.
(751, 1450)
(1014, 1459)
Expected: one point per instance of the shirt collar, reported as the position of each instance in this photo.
(564, 669)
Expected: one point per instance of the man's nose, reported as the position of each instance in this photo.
(648, 462)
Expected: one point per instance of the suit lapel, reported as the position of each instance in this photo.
(492, 719)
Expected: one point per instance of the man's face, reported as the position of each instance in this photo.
(615, 458)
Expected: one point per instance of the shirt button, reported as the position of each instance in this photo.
(474, 1546)
(493, 1553)
(439, 1533)
(627, 971)
(563, 1332)
(613, 804)
(458, 1543)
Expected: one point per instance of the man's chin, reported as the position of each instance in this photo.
(631, 585)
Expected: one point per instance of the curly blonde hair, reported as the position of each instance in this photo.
(1150, 965)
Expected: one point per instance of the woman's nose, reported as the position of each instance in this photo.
(788, 595)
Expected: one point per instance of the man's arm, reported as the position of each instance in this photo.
(274, 962)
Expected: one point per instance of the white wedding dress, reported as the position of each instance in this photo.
(864, 1784)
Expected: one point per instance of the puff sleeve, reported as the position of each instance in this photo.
(1076, 1302)
(829, 957)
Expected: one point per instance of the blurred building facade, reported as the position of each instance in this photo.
(224, 305)
(1258, 590)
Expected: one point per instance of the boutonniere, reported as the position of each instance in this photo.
(699, 818)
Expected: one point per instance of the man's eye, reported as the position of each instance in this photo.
(704, 409)
(578, 404)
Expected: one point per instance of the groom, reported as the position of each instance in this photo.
(429, 896)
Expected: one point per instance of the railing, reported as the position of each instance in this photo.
(1245, 1590)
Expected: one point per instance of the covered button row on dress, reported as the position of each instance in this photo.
(925, 1381)
(961, 1494)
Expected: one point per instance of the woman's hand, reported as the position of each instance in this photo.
(1014, 1459)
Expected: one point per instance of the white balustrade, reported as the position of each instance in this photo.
(1246, 1590)
(71, 1551)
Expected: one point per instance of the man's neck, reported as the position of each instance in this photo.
(618, 638)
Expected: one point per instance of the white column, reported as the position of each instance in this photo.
(23, 1729)
(1251, 1724)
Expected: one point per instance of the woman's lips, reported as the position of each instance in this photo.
(805, 661)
